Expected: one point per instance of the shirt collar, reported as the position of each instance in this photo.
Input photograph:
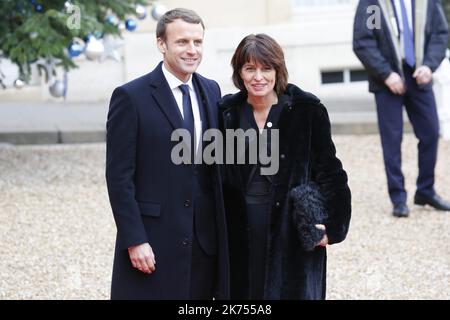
(173, 81)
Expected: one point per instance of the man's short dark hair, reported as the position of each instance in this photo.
(186, 15)
(265, 50)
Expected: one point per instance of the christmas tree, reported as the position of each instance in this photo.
(36, 30)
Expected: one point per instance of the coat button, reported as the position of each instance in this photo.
(187, 203)
(282, 156)
(277, 204)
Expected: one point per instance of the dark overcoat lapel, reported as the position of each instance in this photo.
(161, 92)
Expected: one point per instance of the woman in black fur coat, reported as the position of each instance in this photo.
(269, 253)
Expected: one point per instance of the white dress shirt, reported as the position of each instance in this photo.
(174, 84)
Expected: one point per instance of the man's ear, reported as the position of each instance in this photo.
(161, 45)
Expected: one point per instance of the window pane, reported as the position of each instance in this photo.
(332, 77)
(358, 75)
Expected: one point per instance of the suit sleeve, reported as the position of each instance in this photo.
(435, 48)
(218, 89)
(327, 171)
(121, 139)
(365, 44)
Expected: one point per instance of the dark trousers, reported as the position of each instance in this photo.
(203, 273)
(421, 109)
(258, 222)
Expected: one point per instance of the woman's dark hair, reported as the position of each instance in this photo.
(265, 50)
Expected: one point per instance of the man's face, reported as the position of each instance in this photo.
(182, 48)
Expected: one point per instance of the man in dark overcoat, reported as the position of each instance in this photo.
(171, 232)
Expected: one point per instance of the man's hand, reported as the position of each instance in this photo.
(142, 258)
(324, 240)
(423, 75)
(395, 83)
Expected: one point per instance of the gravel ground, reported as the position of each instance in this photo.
(57, 230)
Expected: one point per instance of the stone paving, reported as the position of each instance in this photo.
(57, 230)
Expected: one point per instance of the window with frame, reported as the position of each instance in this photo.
(343, 76)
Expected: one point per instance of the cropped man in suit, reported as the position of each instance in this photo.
(171, 235)
(400, 52)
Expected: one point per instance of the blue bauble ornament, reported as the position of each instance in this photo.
(38, 7)
(130, 24)
(75, 49)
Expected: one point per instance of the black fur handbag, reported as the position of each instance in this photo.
(308, 209)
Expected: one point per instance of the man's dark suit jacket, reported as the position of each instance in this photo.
(376, 47)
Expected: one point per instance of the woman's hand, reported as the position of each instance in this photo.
(324, 240)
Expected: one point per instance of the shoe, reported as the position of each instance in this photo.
(435, 201)
(400, 210)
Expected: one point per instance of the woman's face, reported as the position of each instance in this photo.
(259, 80)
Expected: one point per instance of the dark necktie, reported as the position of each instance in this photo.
(408, 39)
(187, 111)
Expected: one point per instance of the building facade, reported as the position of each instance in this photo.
(316, 36)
